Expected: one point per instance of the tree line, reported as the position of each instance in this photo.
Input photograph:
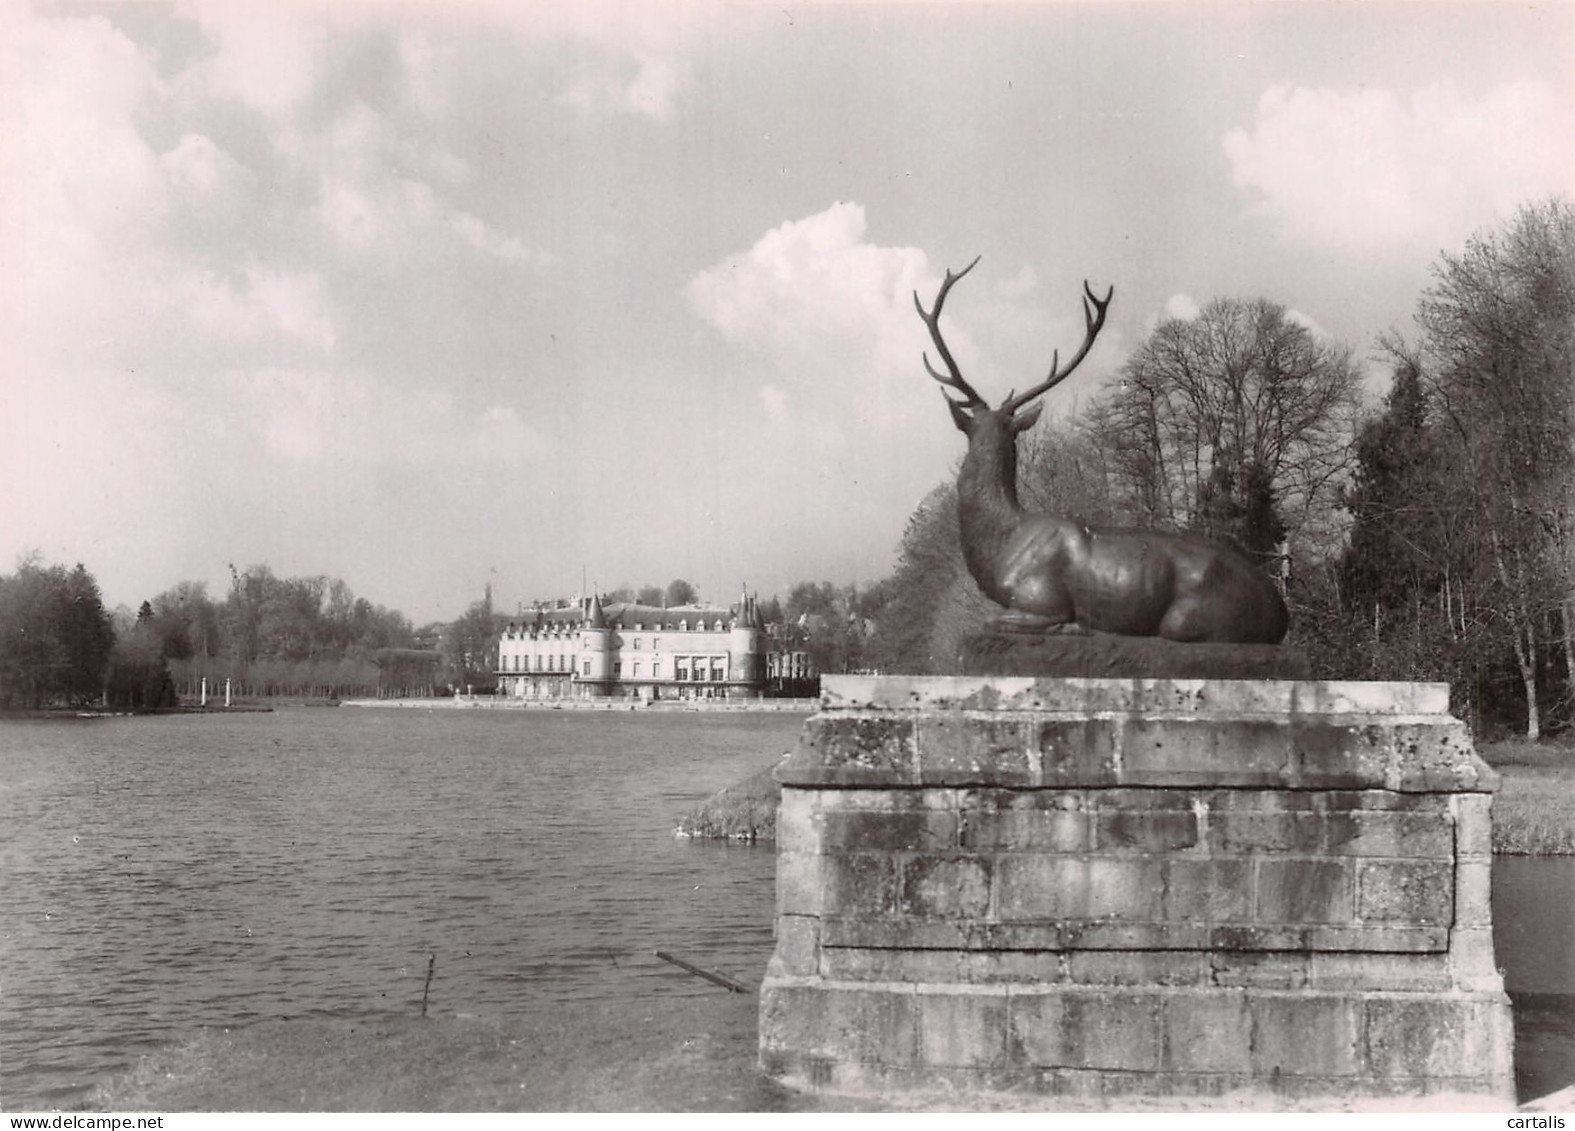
(303, 636)
(1433, 538)
(1430, 538)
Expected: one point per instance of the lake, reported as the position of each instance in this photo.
(161, 874)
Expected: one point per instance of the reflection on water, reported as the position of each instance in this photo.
(161, 874)
(1534, 942)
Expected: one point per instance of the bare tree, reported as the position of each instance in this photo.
(1235, 423)
(1498, 344)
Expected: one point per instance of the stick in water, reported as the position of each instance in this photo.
(720, 979)
(431, 962)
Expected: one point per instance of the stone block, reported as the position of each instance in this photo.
(1145, 830)
(882, 964)
(958, 749)
(1208, 890)
(1044, 886)
(1472, 960)
(1144, 887)
(798, 944)
(1303, 891)
(1383, 833)
(922, 830)
(858, 929)
(1075, 751)
(1474, 892)
(1103, 934)
(1277, 970)
(860, 883)
(1137, 967)
(1023, 830)
(1204, 751)
(1419, 892)
(1208, 1032)
(853, 750)
(1116, 1031)
(1329, 754)
(873, 1025)
(1085, 1031)
(1378, 938)
(1354, 970)
(945, 887)
(1473, 825)
(1351, 697)
(800, 890)
(963, 1029)
(1263, 831)
(996, 967)
(798, 825)
(1299, 1035)
(1414, 1038)
(887, 800)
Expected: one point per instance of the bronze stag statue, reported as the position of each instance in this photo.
(1060, 574)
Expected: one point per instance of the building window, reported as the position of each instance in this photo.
(617, 669)
(637, 641)
(587, 667)
(681, 672)
(634, 669)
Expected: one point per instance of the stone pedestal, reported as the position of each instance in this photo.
(1101, 888)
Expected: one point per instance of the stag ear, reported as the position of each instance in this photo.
(960, 416)
(1025, 420)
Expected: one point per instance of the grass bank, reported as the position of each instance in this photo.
(1534, 811)
(746, 811)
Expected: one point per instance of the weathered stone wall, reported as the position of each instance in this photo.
(1103, 887)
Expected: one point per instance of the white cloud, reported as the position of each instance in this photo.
(201, 171)
(1368, 168)
(1308, 323)
(266, 54)
(829, 309)
(1183, 307)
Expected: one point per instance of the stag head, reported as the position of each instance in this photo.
(972, 412)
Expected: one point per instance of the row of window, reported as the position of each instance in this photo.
(543, 664)
(574, 629)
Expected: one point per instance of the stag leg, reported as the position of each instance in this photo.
(1019, 623)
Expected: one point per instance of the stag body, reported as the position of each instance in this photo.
(1049, 571)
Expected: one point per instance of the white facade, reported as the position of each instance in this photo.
(634, 651)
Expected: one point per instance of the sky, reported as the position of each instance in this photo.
(429, 296)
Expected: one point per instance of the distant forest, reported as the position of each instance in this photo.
(1431, 538)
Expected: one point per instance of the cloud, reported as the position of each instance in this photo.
(1182, 307)
(830, 310)
(1367, 168)
(266, 56)
(648, 85)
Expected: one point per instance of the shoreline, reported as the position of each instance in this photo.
(658, 706)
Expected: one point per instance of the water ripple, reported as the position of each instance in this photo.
(163, 874)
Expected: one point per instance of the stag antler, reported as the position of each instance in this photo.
(1094, 316)
(932, 319)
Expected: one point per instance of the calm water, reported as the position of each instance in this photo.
(161, 874)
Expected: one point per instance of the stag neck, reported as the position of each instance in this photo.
(987, 507)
